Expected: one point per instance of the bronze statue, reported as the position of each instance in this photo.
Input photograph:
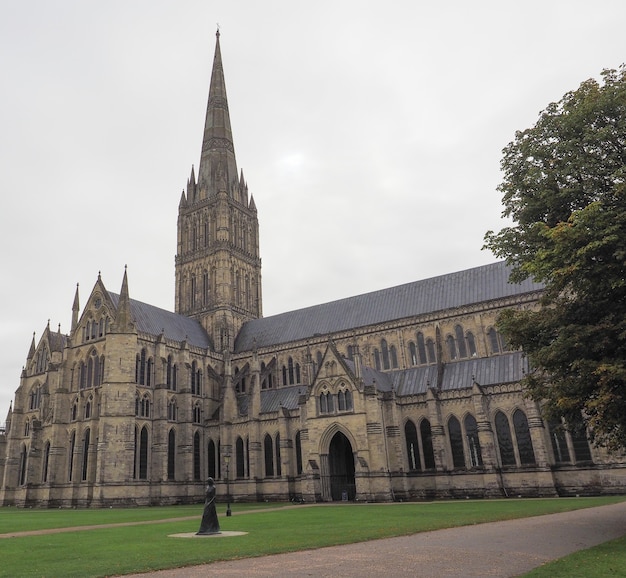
(210, 523)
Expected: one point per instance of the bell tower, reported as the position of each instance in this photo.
(218, 266)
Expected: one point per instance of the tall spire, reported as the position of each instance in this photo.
(218, 167)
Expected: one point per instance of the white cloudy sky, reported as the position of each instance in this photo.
(370, 134)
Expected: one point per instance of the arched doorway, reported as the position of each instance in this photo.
(341, 468)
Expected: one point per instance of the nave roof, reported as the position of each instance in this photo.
(480, 284)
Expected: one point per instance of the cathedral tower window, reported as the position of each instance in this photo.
(412, 353)
(88, 407)
(205, 288)
(26, 428)
(171, 455)
(74, 410)
(192, 294)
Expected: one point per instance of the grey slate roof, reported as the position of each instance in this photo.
(427, 296)
(287, 397)
(496, 370)
(274, 399)
(153, 320)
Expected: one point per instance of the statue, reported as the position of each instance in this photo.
(210, 524)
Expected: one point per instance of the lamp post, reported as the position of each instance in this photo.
(227, 461)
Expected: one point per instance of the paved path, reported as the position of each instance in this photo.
(496, 549)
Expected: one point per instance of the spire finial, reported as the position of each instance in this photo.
(217, 32)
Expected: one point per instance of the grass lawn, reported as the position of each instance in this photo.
(123, 550)
(607, 560)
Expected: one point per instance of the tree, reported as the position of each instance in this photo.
(564, 188)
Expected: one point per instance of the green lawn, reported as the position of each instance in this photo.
(607, 560)
(122, 550)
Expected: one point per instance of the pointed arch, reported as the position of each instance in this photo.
(426, 436)
(46, 460)
(196, 456)
(239, 458)
(171, 454)
(85, 455)
(268, 451)
(524, 441)
(412, 446)
(473, 441)
(455, 436)
(505, 441)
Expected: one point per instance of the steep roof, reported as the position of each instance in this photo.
(457, 289)
(153, 320)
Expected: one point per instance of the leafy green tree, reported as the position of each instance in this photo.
(564, 189)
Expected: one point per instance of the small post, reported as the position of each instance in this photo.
(227, 462)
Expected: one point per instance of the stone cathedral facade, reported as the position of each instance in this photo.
(404, 393)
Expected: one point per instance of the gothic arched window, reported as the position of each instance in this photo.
(524, 441)
(505, 441)
(473, 443)
(412, 446)
(456, 442)
(268, 450)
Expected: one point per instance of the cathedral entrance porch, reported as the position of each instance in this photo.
(337, 472)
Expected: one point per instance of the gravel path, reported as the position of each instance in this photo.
(496, 549)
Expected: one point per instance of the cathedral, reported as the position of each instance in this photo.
(407, 393)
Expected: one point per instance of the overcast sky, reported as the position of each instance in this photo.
(370, 134)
